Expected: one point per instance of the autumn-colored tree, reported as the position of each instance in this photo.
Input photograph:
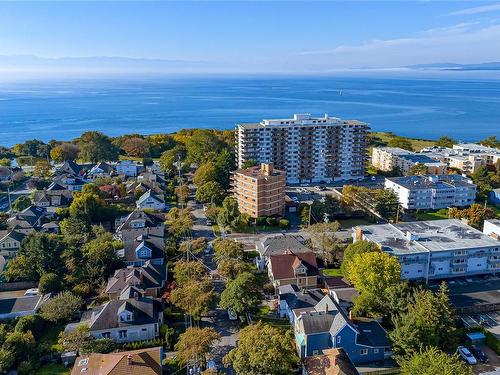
(64, 151)
(42, 168)
(194, 344)
(182, 192)
(135, 147)
(194, 297)
(205, 173)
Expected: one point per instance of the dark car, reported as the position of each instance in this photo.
(479, 354)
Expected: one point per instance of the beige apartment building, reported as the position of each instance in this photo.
(260, 190)
(388, 158)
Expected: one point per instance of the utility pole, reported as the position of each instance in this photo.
(10, 200)
(309, 221)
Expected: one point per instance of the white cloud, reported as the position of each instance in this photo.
(476, 10)
(462, 43)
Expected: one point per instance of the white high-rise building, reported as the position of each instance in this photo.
(309, 149)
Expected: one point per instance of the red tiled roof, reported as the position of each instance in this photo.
(282, 266)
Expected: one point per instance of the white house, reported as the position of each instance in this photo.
(152, 201)
(128, 168)
(492, 228)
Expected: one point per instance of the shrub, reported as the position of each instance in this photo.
(33, 323)
(284, 223)
(271, 221)
(49, 283)
(260, 220)
(102, 346)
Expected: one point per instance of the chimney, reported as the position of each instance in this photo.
(266, 168)
(129, 360)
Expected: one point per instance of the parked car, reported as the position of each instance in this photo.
(209, 222)
(32, 292)
(479, 354)
(232, 315)
(466, 355)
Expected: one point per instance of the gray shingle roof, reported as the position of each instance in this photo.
(278, 244)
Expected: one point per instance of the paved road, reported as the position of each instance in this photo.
(14, 194)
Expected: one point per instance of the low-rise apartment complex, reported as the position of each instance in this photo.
(307, 148)
(435, 249)
(389, 158)
(260, 190)
(432, 192)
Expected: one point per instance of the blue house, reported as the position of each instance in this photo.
(292, 299)
(327, 326)
(495, 196)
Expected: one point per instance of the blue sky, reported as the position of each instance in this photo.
(257, 36)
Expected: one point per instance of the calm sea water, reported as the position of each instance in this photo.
(467, 110)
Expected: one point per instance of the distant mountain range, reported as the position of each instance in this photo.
(456, 67)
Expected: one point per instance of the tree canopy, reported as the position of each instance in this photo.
(263, 350)
(195, 343)
(433, 361)
(95, 146)
(241, 294)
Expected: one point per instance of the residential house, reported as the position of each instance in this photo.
(55, 195)
(126, 319)
(391, 158)
(70, 167)
(494, 196)
(15, 307)
(148, 279)
(327, 326)
(289, 268)
(277, 244)
(143, 237)
(135, 362)
(332, 362)
(10, 242)
(6, 174)
(292, 298)
(128, 168)
(341, 291)
(28, 220)
(101, 169)
(51, 227)
(152, 201)
(491, 227)
(70, 181)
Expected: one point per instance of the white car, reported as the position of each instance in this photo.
(466, 355)
(32, 292)
(232, 315)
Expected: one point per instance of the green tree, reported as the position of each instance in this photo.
(206, 172)
(5, 162)
(250, 163)
(433, 361)
(418, 169)
(231, 268)
(400, 142)
(169, 159)
(490, 142)
(386, 203)
(225, 163)
(75, 231)
(180, 222)
(194, 297)
(61, 308)
(373, 274)
(227, 249)
(21, 344)
(7, 360)
(88, 206)
(263, 350)
(182, 192)
(95, 146)
(446, 142)
(39, 253)
(241, 294)
(358, 247)
(185, 272)
(228, 214)
(210, 192)
(21, 203)
(427, 322)
(196, 245)
(49, 283)
(203, 145)
(159, 143)
(77, 340)
(30, 323)
(195, 343)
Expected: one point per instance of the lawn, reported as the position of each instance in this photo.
(53, 369)
(349, 223)
(331, 272)
(495, 208)
(437, 215)
(417, 144)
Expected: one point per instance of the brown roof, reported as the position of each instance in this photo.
(134, 362)
(283, 266)
(332, 362)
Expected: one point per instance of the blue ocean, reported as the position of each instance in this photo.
(468, 110)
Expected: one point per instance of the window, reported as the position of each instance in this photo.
(122, 334)
(315, 352)
(106, 335)
(363, 351)
(339, 339)
(375, 351)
